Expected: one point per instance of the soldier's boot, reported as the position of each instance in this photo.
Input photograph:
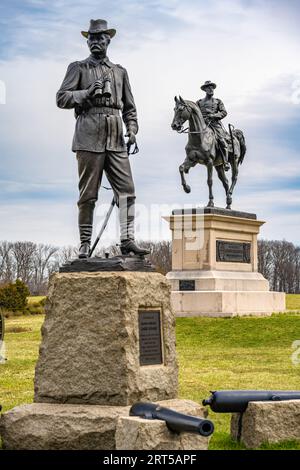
(128, 245)
(85, 240)
(86, 212)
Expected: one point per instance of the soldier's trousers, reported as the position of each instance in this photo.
(118, 172)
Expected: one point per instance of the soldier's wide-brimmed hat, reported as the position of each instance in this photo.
(208, 83)
(98, 26)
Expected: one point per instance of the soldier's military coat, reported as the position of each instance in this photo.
(99, 124)
(216, 108)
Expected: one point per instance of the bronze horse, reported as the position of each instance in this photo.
(202, 148)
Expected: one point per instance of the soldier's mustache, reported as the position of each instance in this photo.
(97, 46)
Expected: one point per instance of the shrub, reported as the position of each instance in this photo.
(13, 296)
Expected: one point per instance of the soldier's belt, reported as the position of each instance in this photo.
(103, 110)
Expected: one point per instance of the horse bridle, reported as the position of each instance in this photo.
(186, 130)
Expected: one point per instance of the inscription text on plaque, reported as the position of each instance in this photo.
(150, 337)
(233, 252)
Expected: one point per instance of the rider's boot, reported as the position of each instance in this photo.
(224, 151)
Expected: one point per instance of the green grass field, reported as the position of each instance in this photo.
(35, 298)
(213, 354)
(293, 302)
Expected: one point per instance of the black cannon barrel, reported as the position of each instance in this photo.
(176, 422)
(236, 401)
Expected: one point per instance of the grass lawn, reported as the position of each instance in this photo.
(293, 302)
(213, 354)
(35, 298)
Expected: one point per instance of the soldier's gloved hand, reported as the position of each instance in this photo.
(94, 86)
(131, 140)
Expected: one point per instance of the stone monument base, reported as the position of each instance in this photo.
(108, 339)
(215, 265)
(44, 426)
(224, 294)
(267, 422)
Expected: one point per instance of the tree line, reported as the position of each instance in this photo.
(33, 263)
(279, 262)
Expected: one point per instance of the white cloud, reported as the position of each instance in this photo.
(172, 51)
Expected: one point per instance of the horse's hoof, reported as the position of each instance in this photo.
(187, 189)
(229, 200)
(210, 204)
(228, 207)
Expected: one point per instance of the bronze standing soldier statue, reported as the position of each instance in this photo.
(213, 111)
(99, 91)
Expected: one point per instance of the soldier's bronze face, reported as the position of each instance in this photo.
(98, 43)
(209, 90)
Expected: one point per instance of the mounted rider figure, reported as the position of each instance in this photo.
(213, 111)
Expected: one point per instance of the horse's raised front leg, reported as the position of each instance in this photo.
(210, 182)
(184, 168)
(182, 171)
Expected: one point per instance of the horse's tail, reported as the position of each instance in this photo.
(241, 138)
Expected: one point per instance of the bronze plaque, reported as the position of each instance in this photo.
(150, 337)
(187, 284)
(233, 252)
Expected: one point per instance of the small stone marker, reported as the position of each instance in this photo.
(267, 422)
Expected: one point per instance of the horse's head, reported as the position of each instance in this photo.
(181, 114)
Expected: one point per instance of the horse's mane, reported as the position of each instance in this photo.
(195, 108)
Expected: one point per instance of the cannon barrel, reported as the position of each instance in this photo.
(176, 422)
(236, 401)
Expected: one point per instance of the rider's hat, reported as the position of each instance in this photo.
(208, 83)
(98, 26)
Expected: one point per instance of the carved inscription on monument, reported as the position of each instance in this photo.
(150, 337)
(233, 252)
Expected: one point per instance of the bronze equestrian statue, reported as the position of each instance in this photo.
(208, 142)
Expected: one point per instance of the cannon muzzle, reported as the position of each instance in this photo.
(176, 422)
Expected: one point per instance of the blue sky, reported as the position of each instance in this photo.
(249, 48)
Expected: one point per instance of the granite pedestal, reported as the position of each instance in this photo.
(108, 341)
(215, 267)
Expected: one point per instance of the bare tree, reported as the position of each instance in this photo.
(7, 267)
(279, 262)
(43, 264)
(23, 253)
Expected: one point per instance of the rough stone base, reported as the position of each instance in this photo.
(226, 303)
(143, 434)
(42, 426)
(135, 433)
(90, 351)
(267, 422)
